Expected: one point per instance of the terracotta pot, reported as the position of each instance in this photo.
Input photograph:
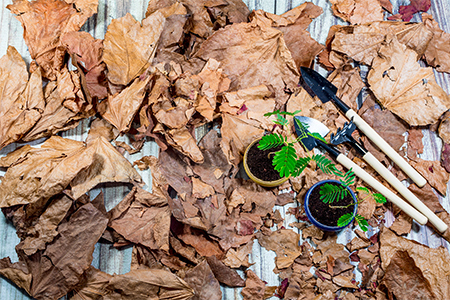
(254, 178)
(317, 223)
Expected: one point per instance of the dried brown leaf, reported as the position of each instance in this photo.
(202, 280)
(143, 218)
(108, 166)
(431, 262)
(437, 54)
(436, 175)
(348, 81)
(235, 258)
(120, 109)
(182, 140)
(405, 88)
(129, 46)
(22, 98)
(224, 274)
(358, 11)
(44, 22)
(254, 287)
(285, 243)
(237, 46)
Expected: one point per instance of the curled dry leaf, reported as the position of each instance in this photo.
(22, 98)
(129, 46)
(437, 54)
(285, 243)
(44, 22)
(235, 258)
(100, 127)
(182, 140)
(434, 173)
(224, 274)
(36, 174)
(202, 280)
(120, 109)
(254, 287)
(362, 42)
(405, 280)
(238, 45)
(89, 52)
(108, 165)
(143, 218)
(431, 262)
(293, 24)
(404, 87)
(358, 11)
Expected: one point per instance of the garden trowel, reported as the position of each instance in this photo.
(344, 135)
(307, 130)
(318, 86)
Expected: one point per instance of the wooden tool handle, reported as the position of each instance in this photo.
(386, 148)
(408, 209)
(404, 191)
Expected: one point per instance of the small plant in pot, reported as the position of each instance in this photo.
(331, 205)
(277, 156)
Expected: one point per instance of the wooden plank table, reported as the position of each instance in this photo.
(111, 260)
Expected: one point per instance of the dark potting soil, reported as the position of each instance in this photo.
(323, 213)
(260, 163)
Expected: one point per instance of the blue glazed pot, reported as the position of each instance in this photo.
(317, 223)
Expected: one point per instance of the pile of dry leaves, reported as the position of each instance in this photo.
(187, 64)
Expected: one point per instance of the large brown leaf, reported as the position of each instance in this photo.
(433, 172)
(36, 174)
(202, 280)
(22, 100)
(108, 166)
(129, 46)
(285, 243)
(362, 42)
(239, 46)
(431, 262)
(120, 109)
(143, 218)
(44, 22)
(404, 87)
(254, 287)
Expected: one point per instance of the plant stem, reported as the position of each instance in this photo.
(345, 206)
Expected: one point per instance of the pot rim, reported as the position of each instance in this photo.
(317, 223)
(261, 182)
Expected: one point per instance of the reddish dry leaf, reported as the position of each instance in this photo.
(405, 280)
(129, 46)
(445, 157)
(36, 174)
(362, 42)
(44, 22)
(202, 280)
(108, 166)
(89, 52)
(120, 109)
(437, 54)
(22, 98)
(415, 144)
(238, 46)
(405, 88)
(254, 287)
(143, 218)
(386, 4)
(431, 262)
(358, 11)
(285, 243)
(436, 176)
(406, 12)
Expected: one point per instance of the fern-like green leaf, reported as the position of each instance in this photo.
(317, 136)
(349, 178)
(330, 192)
(345, 219)
(285, 160)
(324, 164)
(379, 198)
(278, 112)
(363, 224)
(301, 165)
(271, 140)
(363, 189)
(281, 120)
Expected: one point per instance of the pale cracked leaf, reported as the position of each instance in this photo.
(129, 46)
(405, 88)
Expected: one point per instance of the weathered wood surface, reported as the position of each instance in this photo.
(111, 260)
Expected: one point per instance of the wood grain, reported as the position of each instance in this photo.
(112, 260)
